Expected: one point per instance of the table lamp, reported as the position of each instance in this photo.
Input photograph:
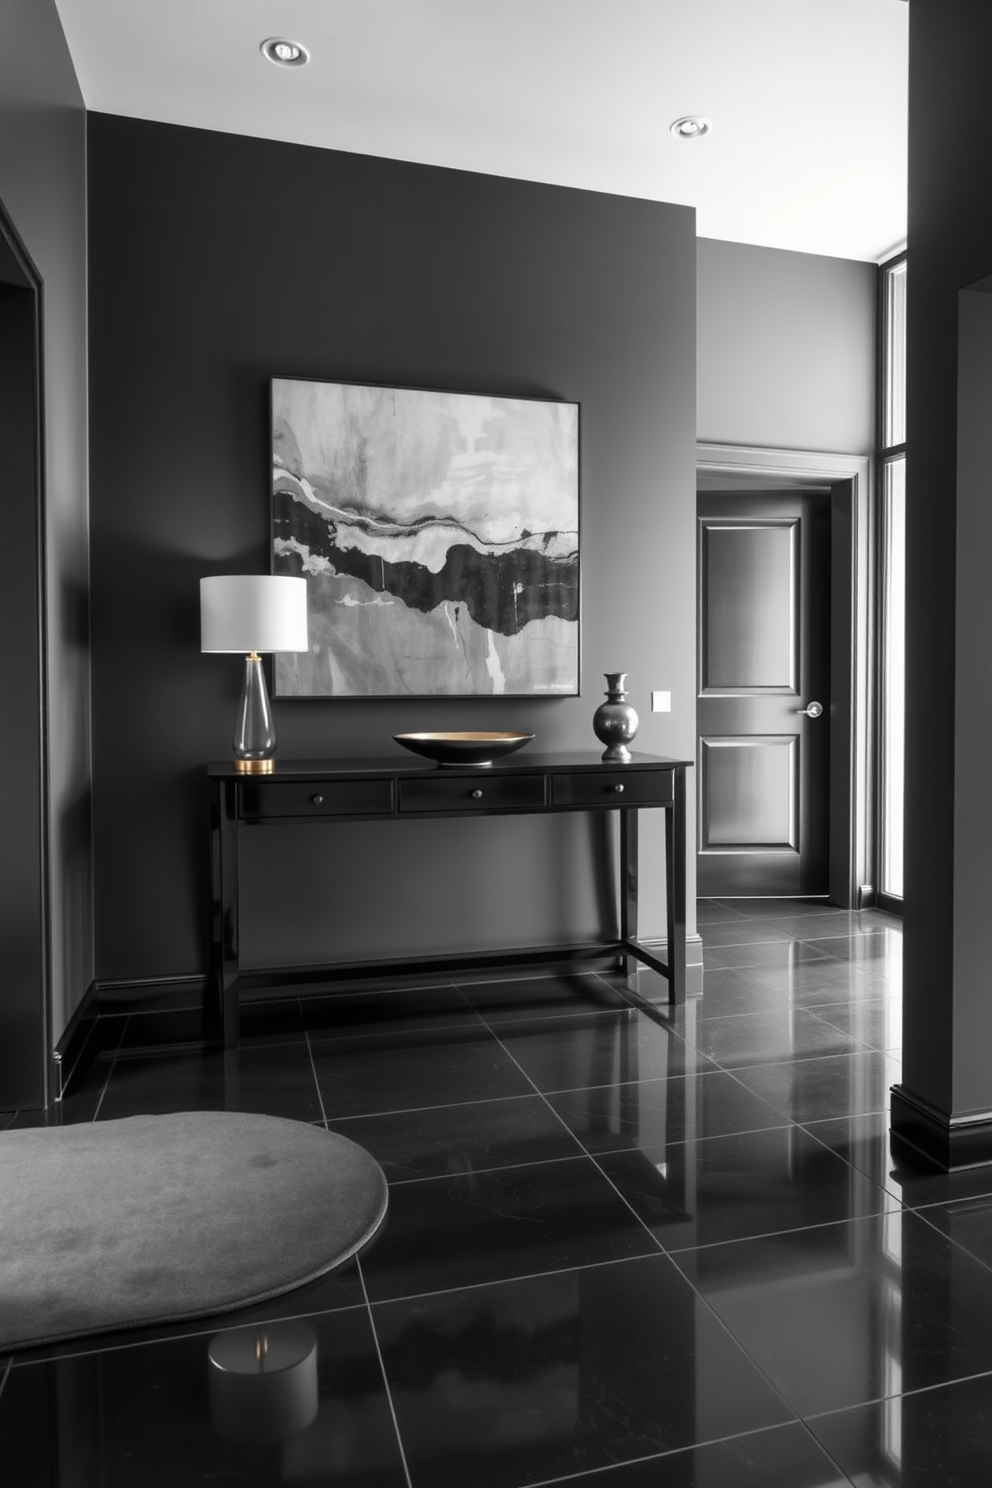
(252, 613)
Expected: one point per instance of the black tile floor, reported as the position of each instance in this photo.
(624, 1249)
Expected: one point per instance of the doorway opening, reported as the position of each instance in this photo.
(26, 1064)
(782, 774)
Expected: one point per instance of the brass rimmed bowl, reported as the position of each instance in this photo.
(477, 748)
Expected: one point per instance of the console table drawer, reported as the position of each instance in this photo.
(613, 788)
(314, 798)
(472, 793)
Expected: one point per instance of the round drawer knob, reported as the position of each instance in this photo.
(618, 789)
(317, 800)
(477, 795)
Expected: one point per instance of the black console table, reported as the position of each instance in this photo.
(335, 790)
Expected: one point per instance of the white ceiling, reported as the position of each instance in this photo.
(807, 97)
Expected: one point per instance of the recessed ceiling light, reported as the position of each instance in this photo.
(690, 126)
(285, 53)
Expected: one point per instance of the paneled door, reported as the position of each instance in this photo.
(764, 694)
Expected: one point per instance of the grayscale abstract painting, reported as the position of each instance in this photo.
(439, 537)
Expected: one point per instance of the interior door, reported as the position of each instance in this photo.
(764, 705)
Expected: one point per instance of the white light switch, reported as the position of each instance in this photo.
(661, 702)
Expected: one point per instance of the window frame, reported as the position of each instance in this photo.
(886, 455)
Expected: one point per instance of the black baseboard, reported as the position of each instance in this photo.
(953, 1142)
(152, 994)
(77, 1049)
(172, 1012)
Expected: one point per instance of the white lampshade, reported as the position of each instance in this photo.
(253, 612)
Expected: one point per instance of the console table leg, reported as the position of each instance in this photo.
(628, 882)
(675, 889)
(224, 1014)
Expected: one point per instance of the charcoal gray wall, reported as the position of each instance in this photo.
(786, 349)
(217, 261)
(43, 187)
(948, 808)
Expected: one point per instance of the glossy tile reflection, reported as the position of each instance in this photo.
(843, 1314)
(546, 1377)
(866, 1143)
(479, 1227)
(876, 1025)
(408, 1071)
(142, 1415)
(815, 1089)
(435, 1141)
(389, 1011)
(597, 1049)
(781, 1457)
(783, 1033)
(728, 1188)
(272, 1080)
(941, 1436)
(968, 1222)
(541, 997)
(612, 1118)
(626, 1248)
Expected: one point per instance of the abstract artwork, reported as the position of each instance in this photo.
(439, 537)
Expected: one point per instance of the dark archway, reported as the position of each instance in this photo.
(25, 1001)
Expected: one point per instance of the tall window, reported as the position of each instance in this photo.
(892, 583)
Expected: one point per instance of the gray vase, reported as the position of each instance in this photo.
(615, 721)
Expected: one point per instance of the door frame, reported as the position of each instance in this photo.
(19, 273)
(847, 479)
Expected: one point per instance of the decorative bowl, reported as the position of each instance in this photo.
(463, 748)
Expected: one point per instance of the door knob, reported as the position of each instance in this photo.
(812, 711)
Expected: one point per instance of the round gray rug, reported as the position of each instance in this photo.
(153, 1219)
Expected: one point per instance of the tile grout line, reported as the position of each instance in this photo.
(824, 1449)
(113, 1065)
(841, 1410)
(957, 1244)
(812, 1058)
(652, 1237)
(491, 1029)
(70, 1074)
(805, 1127)
(721, 1322)
(476, 1286)
(320, 1037)
(782, 1125)
(661, 1457)
(385, 1377)
(582, 1152)
(313, 1073)
(66, 1350)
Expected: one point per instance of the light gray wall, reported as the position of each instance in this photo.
(785, 349)
(43, 187)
